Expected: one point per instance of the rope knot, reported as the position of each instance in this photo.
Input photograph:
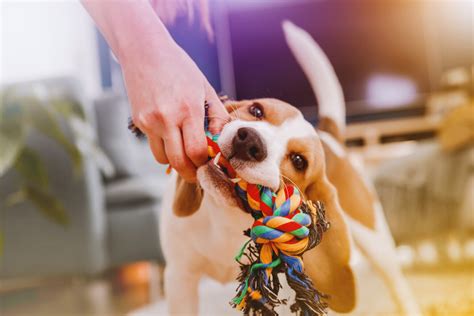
(283, 226)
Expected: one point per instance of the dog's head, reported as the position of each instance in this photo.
(268, 142)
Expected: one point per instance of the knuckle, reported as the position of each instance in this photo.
(177, 163)
(190, 110)
(149, 120)
(160, 114)
(195, 151)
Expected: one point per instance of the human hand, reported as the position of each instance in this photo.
(167, 92)
(166, 89)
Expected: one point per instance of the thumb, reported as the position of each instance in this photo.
(218, 115)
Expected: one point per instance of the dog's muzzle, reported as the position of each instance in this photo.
(247, 145)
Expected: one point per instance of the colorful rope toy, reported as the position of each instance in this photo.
(285, 227)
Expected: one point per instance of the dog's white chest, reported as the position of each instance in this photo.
(221, 232)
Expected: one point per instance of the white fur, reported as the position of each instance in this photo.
(275, 139)
(203, 244)
(266, 172)
(319, 71)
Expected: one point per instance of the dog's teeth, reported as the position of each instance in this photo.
(235, 180)
(216, 159)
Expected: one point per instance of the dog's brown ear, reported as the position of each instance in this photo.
(187, 199)
(328, 263)
(357, 198)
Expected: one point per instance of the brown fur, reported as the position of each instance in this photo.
(328, 125)
(356, 199)
(328, 263)
(187, 199)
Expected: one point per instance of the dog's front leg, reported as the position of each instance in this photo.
(181, 290)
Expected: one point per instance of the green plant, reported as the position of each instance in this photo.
(36, 110)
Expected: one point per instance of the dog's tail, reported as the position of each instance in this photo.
(322, 77)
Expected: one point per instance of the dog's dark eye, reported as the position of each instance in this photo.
(299, 162)
(256, 110)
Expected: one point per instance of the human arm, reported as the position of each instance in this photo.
(167, 91)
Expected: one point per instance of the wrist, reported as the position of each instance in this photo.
(148, 37)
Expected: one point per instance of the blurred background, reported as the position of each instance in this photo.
(80, 197)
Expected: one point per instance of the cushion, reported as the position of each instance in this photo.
(135, 190)
(112, 111)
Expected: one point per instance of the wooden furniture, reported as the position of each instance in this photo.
(383, 131)
(376, 141)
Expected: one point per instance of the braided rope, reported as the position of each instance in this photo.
(281, 232)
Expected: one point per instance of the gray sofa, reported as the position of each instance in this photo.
(112, 220)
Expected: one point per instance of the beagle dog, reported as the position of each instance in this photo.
(269, 142)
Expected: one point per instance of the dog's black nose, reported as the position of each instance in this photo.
(247, 145)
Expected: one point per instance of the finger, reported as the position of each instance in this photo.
(158, 149)
(218, 115)
(176, 155)
(195, 144)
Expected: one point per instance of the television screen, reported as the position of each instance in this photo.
(378, 50)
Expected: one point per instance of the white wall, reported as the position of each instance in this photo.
(48, 38)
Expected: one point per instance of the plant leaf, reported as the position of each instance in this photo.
(12, 133)
(28, 163)
(15, 198)
(67, 108)
(10, 146)
(85, 141)
(47, 204)
(46, 122)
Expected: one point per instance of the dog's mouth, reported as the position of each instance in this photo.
(222, 184)
(218, 172)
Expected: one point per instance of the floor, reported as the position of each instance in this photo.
(440, 293)
(95, 297)
(445, 294)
